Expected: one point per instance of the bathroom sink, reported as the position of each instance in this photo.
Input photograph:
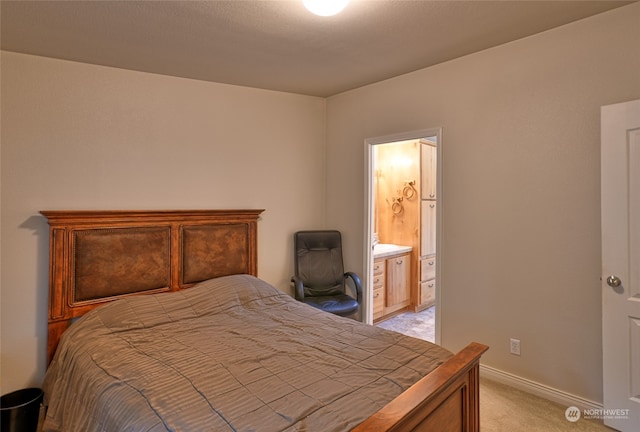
(382, 250)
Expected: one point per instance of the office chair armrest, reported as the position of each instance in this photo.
(357, 283)
(298, 287)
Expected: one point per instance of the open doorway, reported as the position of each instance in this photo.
(403, 196)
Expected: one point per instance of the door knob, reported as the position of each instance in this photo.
(614, 281)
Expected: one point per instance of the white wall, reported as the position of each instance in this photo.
(521, 204)
(78, 136)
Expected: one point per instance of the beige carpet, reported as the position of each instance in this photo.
(506, 409)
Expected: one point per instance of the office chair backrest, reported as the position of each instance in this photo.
(318, 262)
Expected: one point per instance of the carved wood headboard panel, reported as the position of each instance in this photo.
(99, 256)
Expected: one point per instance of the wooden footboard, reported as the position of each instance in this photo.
(445, 400)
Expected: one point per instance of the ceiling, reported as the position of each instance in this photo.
(277, 45)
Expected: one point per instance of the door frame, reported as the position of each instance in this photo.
(369, 144)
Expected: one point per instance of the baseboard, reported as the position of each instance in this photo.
(543, 391)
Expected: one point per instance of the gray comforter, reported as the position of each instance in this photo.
(229, 354)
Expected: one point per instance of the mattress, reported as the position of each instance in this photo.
(229, 354)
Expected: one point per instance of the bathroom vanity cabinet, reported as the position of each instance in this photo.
(427, 286)
(391, 284)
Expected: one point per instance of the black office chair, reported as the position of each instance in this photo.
(320, 279)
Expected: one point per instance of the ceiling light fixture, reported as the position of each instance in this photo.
(325, 7)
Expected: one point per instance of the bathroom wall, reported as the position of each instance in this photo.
(397, 209)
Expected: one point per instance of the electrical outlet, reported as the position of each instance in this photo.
(514, 346)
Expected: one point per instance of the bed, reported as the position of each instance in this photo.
(157, 321)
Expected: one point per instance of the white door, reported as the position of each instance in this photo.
(620, 201)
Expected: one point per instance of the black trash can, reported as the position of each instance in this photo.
(20, 410)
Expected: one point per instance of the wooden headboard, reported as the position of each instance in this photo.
(99, 256)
